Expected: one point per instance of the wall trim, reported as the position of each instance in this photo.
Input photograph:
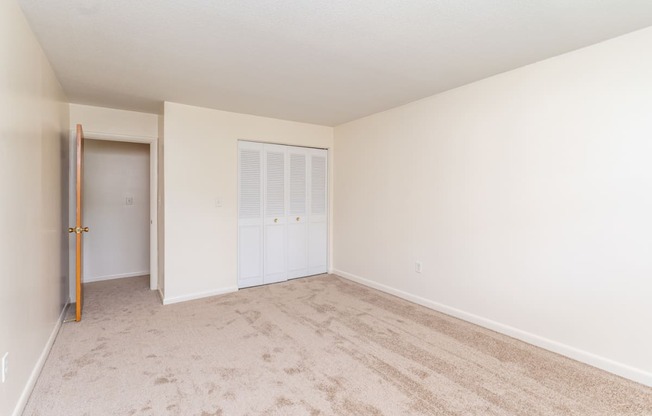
(96, 135)
(114, 276)
(603, 363)
(199, 295)
(38, 367)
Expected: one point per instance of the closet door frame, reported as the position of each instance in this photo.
(267, 223)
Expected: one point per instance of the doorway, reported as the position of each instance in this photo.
(116, 206)
(120, 203)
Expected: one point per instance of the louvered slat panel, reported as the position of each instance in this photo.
(318, 185)
(297, 184)
(275, 184)
(250, 186)
(250, 214)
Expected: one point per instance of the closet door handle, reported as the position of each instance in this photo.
(275, 219)
(298, 218)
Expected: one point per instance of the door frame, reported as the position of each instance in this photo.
(329, 202)
(153, 198)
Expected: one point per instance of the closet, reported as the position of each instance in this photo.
(282, 213)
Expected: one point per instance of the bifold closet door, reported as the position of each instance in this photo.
(275, 228)
(282, 213)
(318, 211)
(250, 214)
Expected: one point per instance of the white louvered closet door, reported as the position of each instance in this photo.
(282, 213)
(275, 228)
(297, 227)
(318, 211)
(250, 214)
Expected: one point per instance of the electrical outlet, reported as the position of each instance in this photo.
(5, 366)
(417, 267)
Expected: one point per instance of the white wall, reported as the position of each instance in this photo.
(118, 244)
(527, 196)
(200, 165)
(110, 121)
(33, 161)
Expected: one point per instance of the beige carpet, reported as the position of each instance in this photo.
(313, 346)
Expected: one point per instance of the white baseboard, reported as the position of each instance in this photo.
(38, 367)
(88, 279)
(623, 370)
(199, 295)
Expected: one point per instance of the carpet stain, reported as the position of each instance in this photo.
(312, 411)
(227, 373)
(161, 380)
(293, 370)
(84, 361)
(218, 412)
(69, 375)
(419, 373)
(332, 388)
(283, 402)
(353, 407)
(102, 346)
(212, 388)
(250, 316)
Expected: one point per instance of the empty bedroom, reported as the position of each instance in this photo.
(326, 208)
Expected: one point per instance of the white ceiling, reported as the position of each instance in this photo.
(324, 62)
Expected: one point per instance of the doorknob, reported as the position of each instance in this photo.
(298, 218)
(275, 219)
(78, 230)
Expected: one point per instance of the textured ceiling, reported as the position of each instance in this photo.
(324, 62)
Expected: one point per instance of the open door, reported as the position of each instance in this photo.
(79, 229)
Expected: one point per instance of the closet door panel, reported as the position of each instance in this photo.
(318, 248)
(275, 245)
(250, 264)
(250, 214)
(297, 251)
(318, 210)
(274, 254)
(298, 209)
